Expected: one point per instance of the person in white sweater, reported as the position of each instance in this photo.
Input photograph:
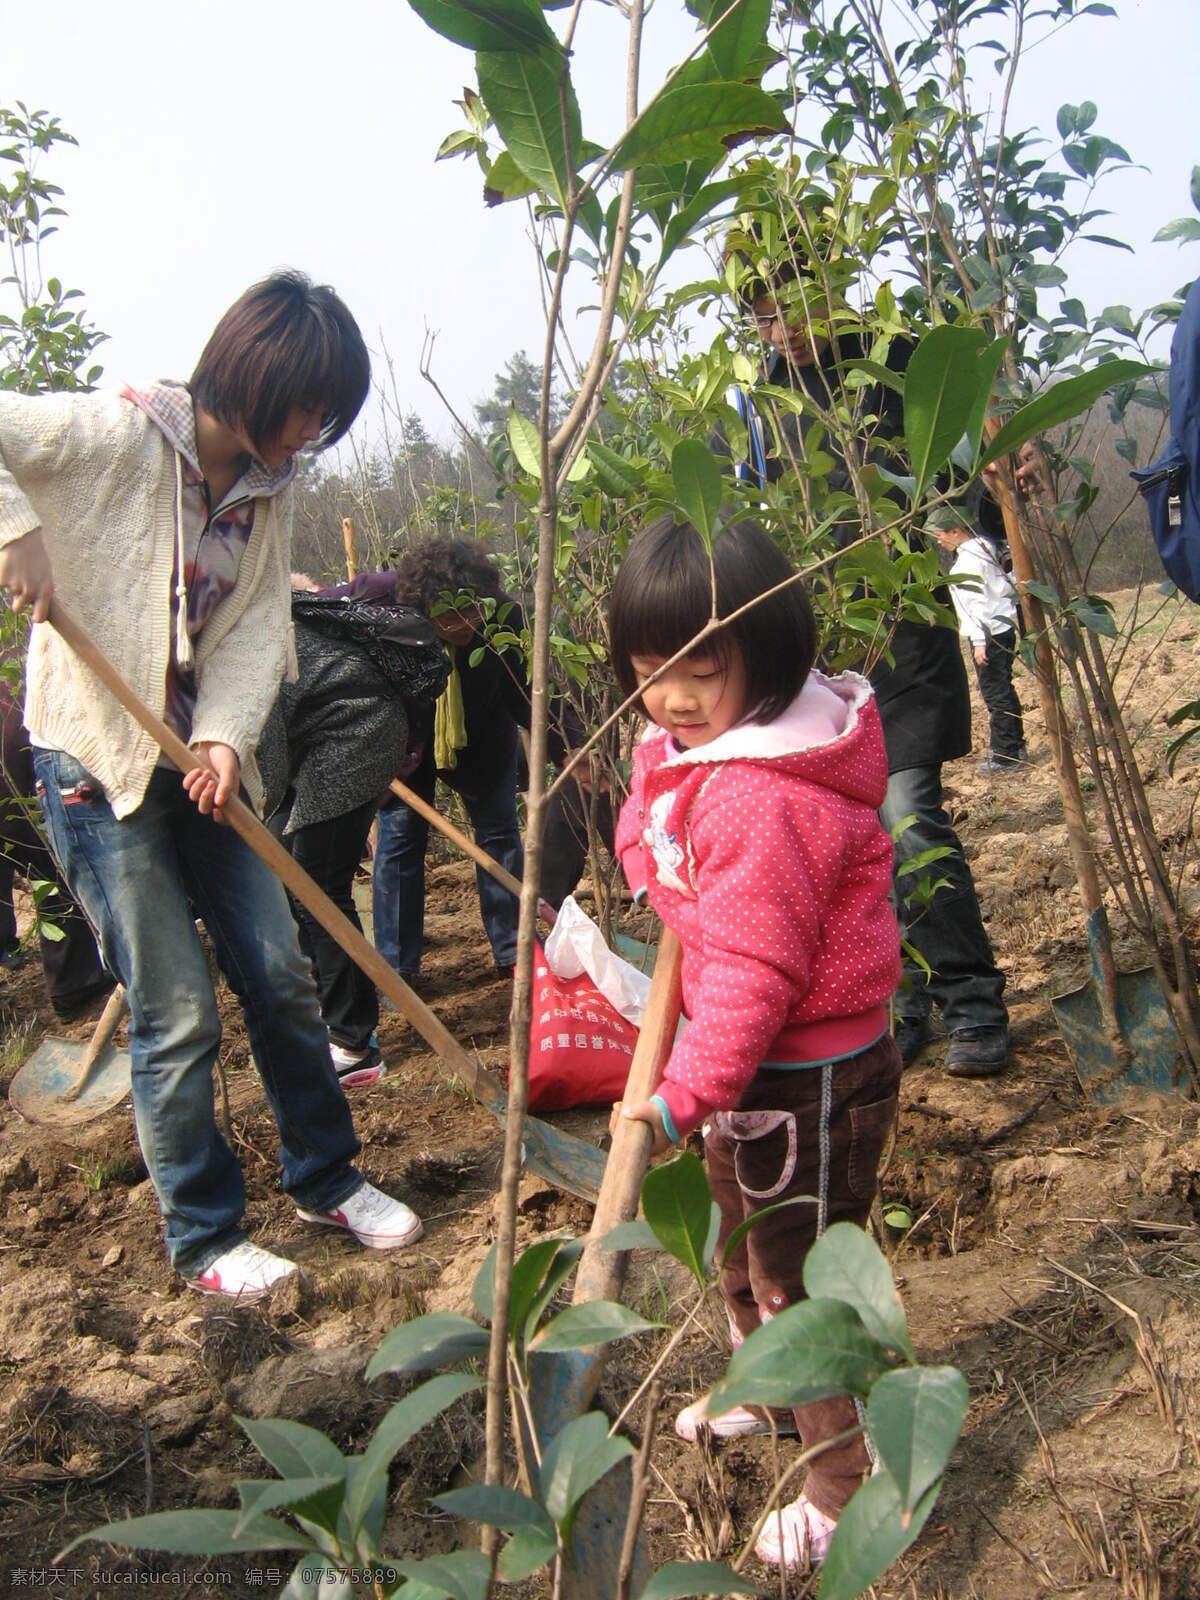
(159, 516)
(986, 603)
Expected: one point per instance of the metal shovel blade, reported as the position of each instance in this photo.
(39, 1089)
(1155, 1058)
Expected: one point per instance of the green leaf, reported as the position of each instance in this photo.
(1194, 187)
(1094, 612)
(846, 1264)
(528, 1272)
(870, 1534)
(734, 44)
(685, 218)
(294, 1449)
(744, 1227)
(426, 1343)
(522, 94)
(461, 1574)
(508, 25)
(496, 1507)
(896, 1215)
(259, 1495)
(580, 467)
(561, 1268)
(808, 1352)
(1044, 593)
(1060, 403)
(1185, 229)
(525, 1552)
(679, 1579)
(697, 480)
(676, 1200)
(526, 443)
(990, 359)
(617, 477)
(638, 1235)
(573, 1461)
(463, 141)
(693, 121)
(946, 384)
(915, 1417)
(504, 180)
(396, 1428)
(595, 1322)
(194, 1533)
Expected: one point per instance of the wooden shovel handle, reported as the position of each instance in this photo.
(601, 1272)
(246, 824)
(101, 1034)
(468, 846)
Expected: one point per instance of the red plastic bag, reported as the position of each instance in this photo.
(580, 1047)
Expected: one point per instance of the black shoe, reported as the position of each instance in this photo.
(977, 1052)
(507, 973)
(912, 1035)
(67, 1007)
(12, 956)
(992, 764)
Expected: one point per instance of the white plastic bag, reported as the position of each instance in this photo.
(575, 945)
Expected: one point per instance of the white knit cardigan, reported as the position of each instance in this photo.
(99, 479)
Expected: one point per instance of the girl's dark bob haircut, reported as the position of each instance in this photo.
(663, 597)
(286, 342)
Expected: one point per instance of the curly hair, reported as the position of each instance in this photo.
(426, 571)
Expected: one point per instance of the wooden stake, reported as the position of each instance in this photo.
(351, 547)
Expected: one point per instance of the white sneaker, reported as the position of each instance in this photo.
(734, 1424)
(245, 1272)
(357, 1068)
(374, 1218)
(796, 1535)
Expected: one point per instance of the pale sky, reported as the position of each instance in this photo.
(219, 141)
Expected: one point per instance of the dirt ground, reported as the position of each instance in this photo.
(1054, 1257)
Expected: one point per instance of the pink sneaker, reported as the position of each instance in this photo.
(374, 1218)
(795, 1536)
(245, 1272)
(734, 1424)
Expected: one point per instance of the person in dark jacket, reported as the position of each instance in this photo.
(75, 975)
(922, 693)
(472, 744)
(333, 742)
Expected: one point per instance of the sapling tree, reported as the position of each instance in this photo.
(45, 343)
(849, 1337)
(877, 202)
(45, 339)
(666, 178)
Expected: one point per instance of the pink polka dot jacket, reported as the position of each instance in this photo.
(763, 851)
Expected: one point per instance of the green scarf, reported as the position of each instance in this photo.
(449, 720)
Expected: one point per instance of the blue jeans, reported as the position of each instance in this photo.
(398, 875)
(141, 882)
(949, 932)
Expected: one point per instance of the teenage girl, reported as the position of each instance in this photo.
(161, 517)
(751, 828)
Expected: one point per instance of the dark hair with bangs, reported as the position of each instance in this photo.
(425, 571)
(286, 342)
(663, 597)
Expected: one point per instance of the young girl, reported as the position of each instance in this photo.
(987, 619)
(751, 828)
(161, 518)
